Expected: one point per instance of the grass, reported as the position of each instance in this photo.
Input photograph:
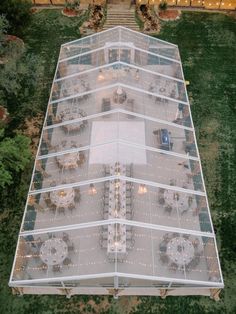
(207, 44)
(48, 31)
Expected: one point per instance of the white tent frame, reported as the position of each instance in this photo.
(170, 280)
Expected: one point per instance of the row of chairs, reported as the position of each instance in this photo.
(56, 268)
(128, 170)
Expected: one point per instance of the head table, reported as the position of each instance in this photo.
(117, 209)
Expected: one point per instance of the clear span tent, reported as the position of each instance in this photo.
(117, 202)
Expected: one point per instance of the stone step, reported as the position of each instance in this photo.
(124, 25)
(131, 28)
(121, 21)
(121, 15)
(120, 12)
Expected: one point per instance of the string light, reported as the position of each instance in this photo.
(92, 189)
(101, 76)
(142, 189)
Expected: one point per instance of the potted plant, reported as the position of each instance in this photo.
(163, 6)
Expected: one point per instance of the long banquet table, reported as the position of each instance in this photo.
(117, 209)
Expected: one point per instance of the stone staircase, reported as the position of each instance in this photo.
(120, 14)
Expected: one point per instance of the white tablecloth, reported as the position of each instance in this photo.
(68, 161)
(53, 251)
(180, 251)
(70, 114)
(117, 234)
(116, 238)
(62, 198)
(117, 190)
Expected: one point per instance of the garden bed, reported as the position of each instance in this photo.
(95, 21)
(69, 12)
(169, 15)
(14, 38)
(148, 19)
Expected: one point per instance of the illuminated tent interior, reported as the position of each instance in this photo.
(117, 201)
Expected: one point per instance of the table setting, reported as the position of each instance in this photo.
(53, 251)
(72, 113)
(180, 251)
(62, 198)
(177, 200)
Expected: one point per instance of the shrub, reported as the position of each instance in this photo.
(17, 13)
(163, 6)
(14, 157)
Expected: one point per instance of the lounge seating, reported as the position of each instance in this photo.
(67, 261)
(43, 267)
(77, 195)
(103, 243)
(39, 242)
(161, 200)
(71, 247)
(71, 207)
(61, 210)
(196, 243)
(130, 244)
(53, 208)
(162, 247)
(167, 237)
(173, 266)
(164, 258)
(56, 268)
(65, 237)
(168, 209)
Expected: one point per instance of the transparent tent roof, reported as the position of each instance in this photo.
(117, 188)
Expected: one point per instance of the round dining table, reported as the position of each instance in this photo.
(69, 114)
(62, 198)
(176, 200)
(53, 251)
(68, 161)
(180, 251)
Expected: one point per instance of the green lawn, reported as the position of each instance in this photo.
(207, 44)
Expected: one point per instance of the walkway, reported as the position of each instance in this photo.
(120, 14)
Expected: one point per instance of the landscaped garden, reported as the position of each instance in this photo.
(207, 44)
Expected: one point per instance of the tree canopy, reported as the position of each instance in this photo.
(17, 13)
(14, 156)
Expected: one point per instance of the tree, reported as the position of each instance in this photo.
(14, 157)
(3, 30)
(3, 27)
(17, 12)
